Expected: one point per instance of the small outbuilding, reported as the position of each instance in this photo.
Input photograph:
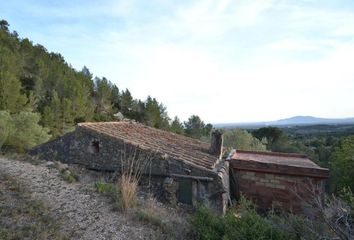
(284, 181)
(185, 169)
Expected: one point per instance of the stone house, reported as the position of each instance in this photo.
(285, 181)
(190, 171)
(186, 170)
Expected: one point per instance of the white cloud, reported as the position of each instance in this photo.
(223, 60)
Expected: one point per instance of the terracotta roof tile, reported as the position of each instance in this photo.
(180, 147)
(285, 163)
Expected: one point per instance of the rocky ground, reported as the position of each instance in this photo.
(84, 213)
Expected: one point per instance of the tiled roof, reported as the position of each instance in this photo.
(174, 145)
(283, 163)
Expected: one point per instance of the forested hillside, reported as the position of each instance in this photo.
(42, 97)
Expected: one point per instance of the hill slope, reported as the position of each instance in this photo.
(297, 120)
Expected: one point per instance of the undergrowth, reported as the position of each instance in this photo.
(68, 176)
(240, 222)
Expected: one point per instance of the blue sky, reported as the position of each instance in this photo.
(227, 61)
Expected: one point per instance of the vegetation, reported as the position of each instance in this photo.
(341, 162)
(242, 140)
(242, 222)
(68, 176)
(170, 224)
(104, 188)
(21, 130)
(150, 214)
(196, 128)
(329, 219)
(44, 97)
(127, 186)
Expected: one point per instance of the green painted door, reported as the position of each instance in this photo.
(185, 191)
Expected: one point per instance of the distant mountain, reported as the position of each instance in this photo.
(309, 120)
(297, 120)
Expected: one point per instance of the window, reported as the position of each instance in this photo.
(94, 147)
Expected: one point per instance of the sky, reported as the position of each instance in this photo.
(226, 61)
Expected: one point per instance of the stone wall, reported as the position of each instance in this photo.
(284, 192)
(102, 152)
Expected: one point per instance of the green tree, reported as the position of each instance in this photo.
(11, 98)
(274, 136)
(194, 127)
(4, 25)
(342, 165)
(103, 96)
(156, 114)
(6, 127)
(177, 126)
(52, 116)
(126, 103)
(28, 133)
(242, 140)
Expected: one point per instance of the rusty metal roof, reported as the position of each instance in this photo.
(274, 162)
(182, 148)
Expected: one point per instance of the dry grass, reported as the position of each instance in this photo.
(133, 164)
(127, 186)
(169, 221)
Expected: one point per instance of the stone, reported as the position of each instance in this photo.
(62, 166)
(49, 163)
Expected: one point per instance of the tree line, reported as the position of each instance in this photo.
(41, 88)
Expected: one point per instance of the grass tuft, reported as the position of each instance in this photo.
(68, 176)
(127, 186)
(104, 188)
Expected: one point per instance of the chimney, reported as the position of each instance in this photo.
(216, 144)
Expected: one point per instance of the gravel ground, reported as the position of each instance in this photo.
(85, 214)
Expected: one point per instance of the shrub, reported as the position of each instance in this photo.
(207, 224)
(6, 127)
(170, 224)
(104, 188)
(347, 196)
(329, 218)
(21, 131)
(241, 222)
(68, 176)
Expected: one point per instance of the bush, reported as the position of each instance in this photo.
(242, 222)
(105, 188)
(171, 224)
(68, 176)
(6, 127)
(21, 131)
(207, 224)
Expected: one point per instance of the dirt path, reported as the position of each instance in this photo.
(85, 214)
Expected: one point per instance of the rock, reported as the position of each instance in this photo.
(62, 166)
(49, 163)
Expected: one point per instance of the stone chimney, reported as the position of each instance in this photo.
(216, 144)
